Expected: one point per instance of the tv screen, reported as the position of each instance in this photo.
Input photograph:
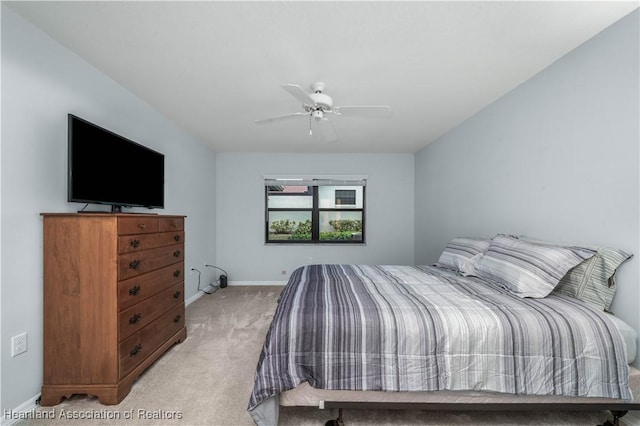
(105, 168)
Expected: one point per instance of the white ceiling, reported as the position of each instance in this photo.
(214, 67)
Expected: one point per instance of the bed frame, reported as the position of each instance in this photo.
(305, 395)
(617, 410)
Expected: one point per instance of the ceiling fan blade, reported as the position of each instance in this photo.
(298, 93)
(281, 117)
(364, 111)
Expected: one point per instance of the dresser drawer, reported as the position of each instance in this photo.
(137, 242)
(169, 224)
(137, 347)
(137, 263)
(138, 316)
(136, 289)
(137, 225)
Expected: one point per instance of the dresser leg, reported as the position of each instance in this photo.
(49, 397)
(106, 394)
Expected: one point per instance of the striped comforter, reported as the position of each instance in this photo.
(410, 328)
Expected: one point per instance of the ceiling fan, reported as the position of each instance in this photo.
(317, 105)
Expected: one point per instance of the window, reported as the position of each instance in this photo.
(314, 211)
(346, 197)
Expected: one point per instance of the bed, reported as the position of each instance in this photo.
(503, 321)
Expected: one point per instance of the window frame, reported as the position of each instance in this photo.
(315, 216)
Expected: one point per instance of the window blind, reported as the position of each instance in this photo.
(314, 182)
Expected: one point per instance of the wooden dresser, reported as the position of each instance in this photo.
(113, 300)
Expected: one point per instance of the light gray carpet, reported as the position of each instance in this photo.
(207, 380)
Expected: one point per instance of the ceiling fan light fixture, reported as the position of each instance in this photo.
(321, 100)
(317, 114)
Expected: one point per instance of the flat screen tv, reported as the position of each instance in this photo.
(105, 168)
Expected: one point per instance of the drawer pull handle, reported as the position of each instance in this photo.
(177, 318)
(142, 225)
(176, 294)
(134, 291)
(176, 253)
(135, 243)
(134, 319)
(177, 238)
(173, 224)
(136, 349)
(135, 264)
(176, 273)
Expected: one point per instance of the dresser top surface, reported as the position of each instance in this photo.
(115, 215)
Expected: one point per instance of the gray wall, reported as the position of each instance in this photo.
(557, 159)
(42, 82)
(240, 213)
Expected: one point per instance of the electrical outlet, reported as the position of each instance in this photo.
(18, 344)
(284, 272)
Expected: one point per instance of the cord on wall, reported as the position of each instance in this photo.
(212, 266)
(200, 289)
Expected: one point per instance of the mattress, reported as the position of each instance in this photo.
(629, 337)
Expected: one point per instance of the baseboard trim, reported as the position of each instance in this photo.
(21, 412)
(201, 293)
(256, 283)
(193, 298)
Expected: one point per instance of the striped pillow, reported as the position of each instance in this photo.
(527, 269)
(593, 281)
(461, 253)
